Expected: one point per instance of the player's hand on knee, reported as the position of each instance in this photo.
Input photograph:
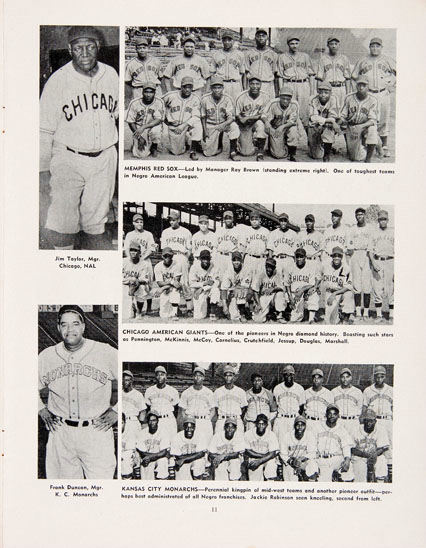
(106, 421)
(51, 422)
(330, 300)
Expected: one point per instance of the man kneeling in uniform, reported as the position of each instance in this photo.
(225, 452)
(189, 449)
(262, 449)
(323, 113)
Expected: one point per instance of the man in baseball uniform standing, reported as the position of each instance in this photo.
(164, 399)
(204, 239)
(282, 243)
(334, 235)
(230, 66)
(134, 409)
(79, 375)
(348, 398)
(317, 399)
(290, 398)
(262, 60)
(78, 133)
(312, 241)
(230, 400)
(334, 68)
(260, 401)
(142, 69)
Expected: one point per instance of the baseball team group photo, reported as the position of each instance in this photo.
(79, 90)
(78, 391)
(287, 263)
(260, 94)
(286, 422)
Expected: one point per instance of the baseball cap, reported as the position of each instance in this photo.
(333, 406)
(346, 370)
(324, 85)
(369, 414)
(188, 38)
(383, 214)
(359, 210)
(173, 215)
(83, 32)
(128, 373)
(71, 308)
(231, 420)
(150, 85)
(376, 41)
(300, 252)
(228, 369)
(380, 369)
(337, 212)
(337, 251)
(216, 81)
(299, 418)
(292, 38)
(283, 217)
(135, 245)
(168, 251)
(227, 34)
(186, 80)
(261, 417)
(254, 76)
(362, 80)
(254, 215)
(228, 213)
(141, 40)
(154, 413)
(286, 90)
(309, 217)
(160, 369)
(236, 255)
(318, 372)
(261, 30)
(270, 261)
(199, 370)
(203, 218)
(255, 375)
(331, 38)
(188, 419)
(289, 369)
(137, 216)
(205, 254)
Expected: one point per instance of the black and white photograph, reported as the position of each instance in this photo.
(79, 91)
(78, 391)
(257, 422)
(260, 94)
(283, 263)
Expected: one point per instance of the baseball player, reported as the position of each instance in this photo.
(262, 61)
(153, 445)
(298, 452)
(198, 402)
(381, 252)
(262, 449)
(268, 293)
(78, 133)
(204, 239)
(253, 245)
(337, 286)
(204, 282)
(189, 64)
(137, 275)
(134, 410)
(142, 69)
(348, 398)
(146, 241)
(182, 118)
(128, 450)
(229, 239)
(334, 236)
(260, 401)
(217, 119)
(229, 64)
(370, 449)
(334, 68)
(323, 113)
(189, 449)
(230, 400)
(317, 399)
(79, 374)
(282, 125)
(282, 243)
(380, 71)
(312, 241)
(145, 117)
(358, 239)
(379, 398)
(301, 282)
(296, 70)
(249, 109)
(290, 398)
(168, 275)
(226, 451)
(164, 399)
(334, 448)
(235, 285)
(358, 118)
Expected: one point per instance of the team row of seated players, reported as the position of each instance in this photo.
(241, 272)
(289, 433)
(260, 96)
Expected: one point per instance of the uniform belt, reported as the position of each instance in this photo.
(178, 252)
(329, 456)
(89, 154)
(349, 418)
(283, 256)
(200, 417)
(229, 417)
(384, 417)
(231, 80)
(164, 416)
(77, 423)
(376, 90)
(297, 81)
(360, 249)
(225, 252)
(313, 418)
(336, 84)
(256, 256)
(132, 418)
(384, 258)
(287, 416)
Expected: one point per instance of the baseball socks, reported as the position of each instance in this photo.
(195, 147)
(379, 311)
(327, 151)
(260, 145)
(370, 152)
(233, 154)
(292, 154)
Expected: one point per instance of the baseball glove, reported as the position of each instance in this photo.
(141, 142)
(133, 286)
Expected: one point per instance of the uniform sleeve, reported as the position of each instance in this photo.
(256, 283)
(132, 113)
(151, 243)
(111, 361)
(309, 67)
(333, 111)
(273, 442)
(229, 109)
(346, 69)
(243, 399)
(344, 113)
(196, 110)
(205, 68)
(284, 454)
(142, 404)
(158, 275)
(158, 113)
(280, 68)
(127, 72)
(188, 240)
(320, 70)
(311, 446)
(193, 278)
(203, 108)
(365, 397)
(274, 66)
(175, 397)
(356, 70)
(302, 396)
(50, 107)
(373, 110)
(175, 446)
(239, 106)
(359, 399)
(170, 69)
(293, 114)
(226, 281)
(242, 64)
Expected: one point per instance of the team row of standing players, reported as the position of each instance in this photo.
(315, 434)
(243, 272)
(240, 99)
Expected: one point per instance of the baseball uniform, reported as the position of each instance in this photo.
(334, 237)
(304, 450)
(132, 403)
(204, 241)
(228, 240)
(334, 279)
(264, 285)
(296, 69)
(316, 406)
(185, 110)
(154, 443)
(349, 402)
(179, 240)
(259, 403)
(77, 137)
(80, 388)
(289, 399)
(358, 238)
(283, 244)
(199, 404)
(296, 278)
(163, 400)
(181, 445)
(264, 444)
(336, 70)
(333, 445)
(146, 240)
(216, 113)
(253, 244)
(237, 285)
(140, 114)
(319, 131)
(195, 67)
(372, 441)
(230, 66)
(139, 72)
(229, 403)
(128, 449)
(143, 273)
(170, 298)
(202, 290)
(356, 112)
(251, 106)
(381, 246)
(380, 71)
(228, 469)
(312, 243)
(263, 63)
(277, 116)
(380, 400)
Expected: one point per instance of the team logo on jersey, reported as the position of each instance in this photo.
(85, 102)
(72, 369)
